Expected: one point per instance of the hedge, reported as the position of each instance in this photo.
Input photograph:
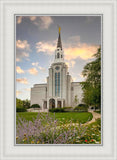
(57, 110)
(20, 109)
(35, 106)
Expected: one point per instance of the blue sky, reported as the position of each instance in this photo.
(36, 39)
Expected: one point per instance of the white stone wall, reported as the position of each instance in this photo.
(38, 94)
(68, 99)
(76, 90)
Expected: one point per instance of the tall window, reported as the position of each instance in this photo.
(57, 84)
(58, 55)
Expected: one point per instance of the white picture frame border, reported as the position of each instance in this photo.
(7, 148)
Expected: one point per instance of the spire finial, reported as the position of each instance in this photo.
(59, 44)
(59, 28)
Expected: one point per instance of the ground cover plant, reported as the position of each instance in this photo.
(47, 129)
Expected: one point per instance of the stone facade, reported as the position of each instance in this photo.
(59, 91)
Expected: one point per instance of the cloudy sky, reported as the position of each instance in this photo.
(36, 40)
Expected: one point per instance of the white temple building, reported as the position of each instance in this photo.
(60, 90)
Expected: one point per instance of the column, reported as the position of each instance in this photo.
(47, 103)
(56, 103)
(61, 103)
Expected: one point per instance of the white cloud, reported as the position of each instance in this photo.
(41, 68)
(27, 89)
(46, 47)
(35, 64)
(23, 44)
(43, 22)
(22, 50)
(46, 21)
(18, 92)
(33, 71)
(22, 80)
(19, 70)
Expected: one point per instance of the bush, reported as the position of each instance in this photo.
(57, 110)
(35, 106)
(83, 105)
(81, 109)
(68, 109)
(20, 109)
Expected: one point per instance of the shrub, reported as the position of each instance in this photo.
(83, 105)
(81, 109)
(38, 132)
(68, 109)
(20, 109)
(35, 106)
(57, 110)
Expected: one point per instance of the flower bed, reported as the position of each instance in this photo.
(47, 130)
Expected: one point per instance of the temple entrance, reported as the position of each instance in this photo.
(51, 103)
(59, 104)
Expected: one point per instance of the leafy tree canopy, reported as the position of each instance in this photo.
(92, 84)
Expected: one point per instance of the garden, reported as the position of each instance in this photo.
(57, 128)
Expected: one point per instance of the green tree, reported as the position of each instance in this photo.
(92, 84)
(26, 103)
(19, 103)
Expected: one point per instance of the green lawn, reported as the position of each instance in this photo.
(64, 117)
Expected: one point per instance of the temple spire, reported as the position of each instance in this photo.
(59, 44)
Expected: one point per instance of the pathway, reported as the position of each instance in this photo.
(95, 116)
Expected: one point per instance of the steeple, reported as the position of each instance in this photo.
(59, 44)
(59, 56)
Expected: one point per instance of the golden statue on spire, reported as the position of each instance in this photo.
(59, 28)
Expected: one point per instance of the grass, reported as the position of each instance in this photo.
(62, 117)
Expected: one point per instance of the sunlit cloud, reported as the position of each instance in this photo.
(36, 64)
(84, 52)
(22, 44)
(19, 19)
(33, 71)
(19, 70)
(22, 80)
(46, 47)
(18, 92)
(18, 59)
(74, 78)
(70, 64)
(73, 49)
(22, 50)
(32, 18)
(27, 89)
